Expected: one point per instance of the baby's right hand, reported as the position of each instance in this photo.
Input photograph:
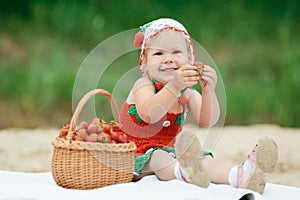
(186, 76)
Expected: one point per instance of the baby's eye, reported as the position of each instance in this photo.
(177, 52)
(158, 53)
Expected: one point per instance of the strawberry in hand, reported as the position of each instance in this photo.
(208, 78)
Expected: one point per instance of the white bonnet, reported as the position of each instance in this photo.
(152, 29)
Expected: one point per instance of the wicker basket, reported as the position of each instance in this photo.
(89, 165)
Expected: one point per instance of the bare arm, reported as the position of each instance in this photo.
(210, 110)
(152, 107)
(205, 109)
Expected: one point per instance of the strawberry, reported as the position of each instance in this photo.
(76, 138)
(101, 121)
(95, 121)
(113, 142)
(114, 136)
(93, 137)
(106, 128)
(123, 138)
(104, 137)
(83, 124)
(93, 128)
(200, 67)
(63, 132)
(66, 126)
(115, 126)
(83, 134)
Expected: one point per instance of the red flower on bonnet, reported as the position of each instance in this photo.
(138, 39)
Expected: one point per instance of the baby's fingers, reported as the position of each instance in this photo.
(189, 70)
(208, 82)
(210, 72)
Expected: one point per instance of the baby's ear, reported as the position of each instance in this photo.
(144, 58)
(190, 54)
(143, 66)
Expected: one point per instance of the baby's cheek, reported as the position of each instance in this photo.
(181, 58)
(182, 62)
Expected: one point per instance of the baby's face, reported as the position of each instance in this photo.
(165, 54)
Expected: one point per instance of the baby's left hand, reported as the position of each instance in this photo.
(208, 78)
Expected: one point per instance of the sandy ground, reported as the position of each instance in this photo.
(30, 150)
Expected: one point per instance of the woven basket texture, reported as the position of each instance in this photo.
(89, 165)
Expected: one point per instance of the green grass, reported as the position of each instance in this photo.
(254, 44)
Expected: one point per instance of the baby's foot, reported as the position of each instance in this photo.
(260, 162)
(189, 154)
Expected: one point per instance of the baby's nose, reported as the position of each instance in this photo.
(168, 60)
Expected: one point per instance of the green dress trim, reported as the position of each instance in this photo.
(132, 111)
(141, 161)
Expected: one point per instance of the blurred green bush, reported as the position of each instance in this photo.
(255, 45)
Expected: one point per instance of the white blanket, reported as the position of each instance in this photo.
(19, 185)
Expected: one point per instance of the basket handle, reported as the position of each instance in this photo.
(81, 104)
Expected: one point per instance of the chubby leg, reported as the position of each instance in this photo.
(218, 170)
(161, 164)
(200, 170)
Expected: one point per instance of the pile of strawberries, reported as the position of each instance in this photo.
(97, 131)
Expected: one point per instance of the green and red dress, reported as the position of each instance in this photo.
(150, 137)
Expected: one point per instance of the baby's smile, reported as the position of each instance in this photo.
(168, 68)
